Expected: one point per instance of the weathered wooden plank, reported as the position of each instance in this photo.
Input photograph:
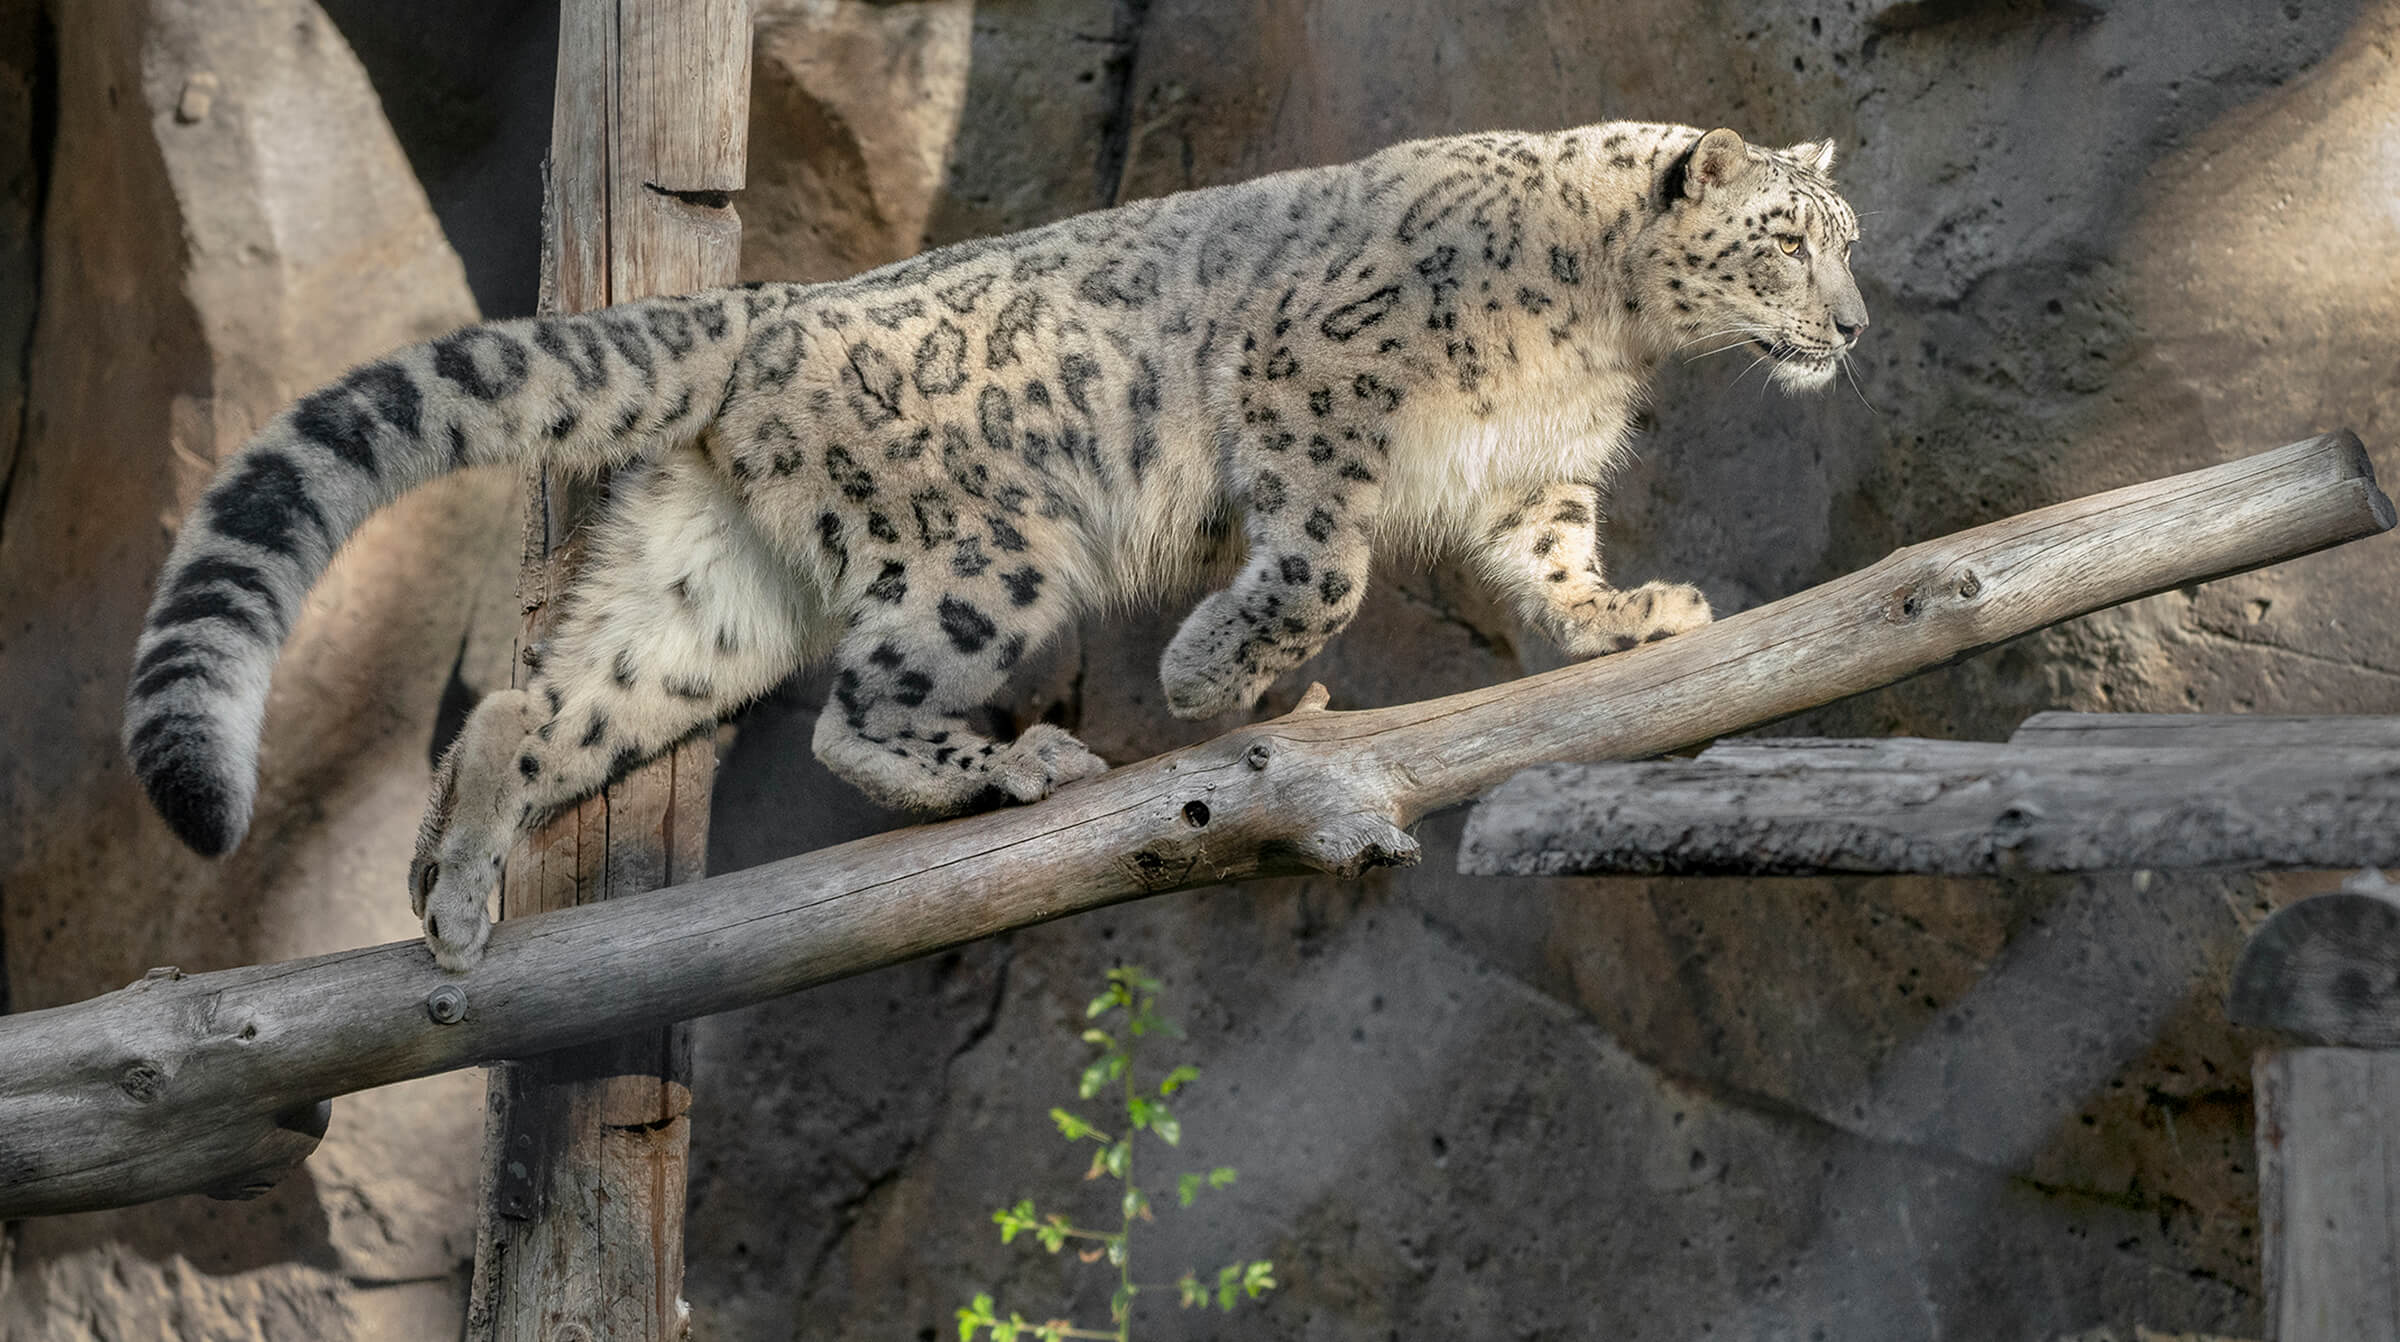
(2328, 1155)
(1797, 806)
(2196, 731)
(1314, 790)
(2327, 968)
(582, 1219)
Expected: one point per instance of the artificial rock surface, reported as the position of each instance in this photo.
(2103, 242)
(229, 222)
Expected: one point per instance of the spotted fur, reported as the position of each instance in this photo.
(921, 473)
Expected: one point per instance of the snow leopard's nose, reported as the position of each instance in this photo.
(1851, 326)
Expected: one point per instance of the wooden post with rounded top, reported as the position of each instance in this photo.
(580, 1233)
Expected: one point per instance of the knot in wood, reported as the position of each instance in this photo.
(1256, 756)
(144, 1082)
(2014, 825)
(447, 1005)
(1903, 604)
(1969, 586)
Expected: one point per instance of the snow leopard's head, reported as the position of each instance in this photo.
(1750, 248)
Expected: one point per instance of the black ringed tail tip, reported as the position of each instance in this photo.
(179, 769)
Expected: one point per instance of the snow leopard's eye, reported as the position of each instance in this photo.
(1793, 245)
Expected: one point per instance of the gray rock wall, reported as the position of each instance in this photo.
(2103, 242)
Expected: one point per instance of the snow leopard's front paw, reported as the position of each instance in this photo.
(1212, 666)
(1043, 760)
(1607, 620)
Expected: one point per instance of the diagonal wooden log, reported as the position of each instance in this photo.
(176, 1085)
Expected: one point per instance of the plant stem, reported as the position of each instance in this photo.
(1125, 1206)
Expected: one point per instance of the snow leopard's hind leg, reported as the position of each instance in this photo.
(678, 615)
(913, 674)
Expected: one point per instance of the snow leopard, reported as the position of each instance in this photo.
(920, 473)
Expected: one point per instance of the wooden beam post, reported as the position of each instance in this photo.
(2328, 1201)
(580, 1232)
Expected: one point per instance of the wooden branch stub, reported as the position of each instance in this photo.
(120, 1063)
(290, 1138)
(1797, 806)
(2327, 968)
(1331, 787)
(2328, 1202)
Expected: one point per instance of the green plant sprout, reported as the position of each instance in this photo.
(1133, 992)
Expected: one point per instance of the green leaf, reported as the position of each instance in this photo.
(1136, 1203)
(1121, 1304)
(1072, 1126)
(1116, 1251)
(1258, 1278)
(1168, 1127)
(1101, 1038)
(1189, 1288)
(1103, 1070)
(1013, 1219)
(1135, 978)
(1187, 1187)
(975, 1316)
(1178, 1079)
(1053, 1232)
(1221, 1177)
(1228, 1285)
(1118, 1156)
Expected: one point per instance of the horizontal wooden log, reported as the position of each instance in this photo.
(1802, 806)
(2329, 1193)
(1315, 790)
(2327, 968)
(2201, 731)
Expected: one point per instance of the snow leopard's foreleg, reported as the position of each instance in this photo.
(1542, 549)
(1307, 476)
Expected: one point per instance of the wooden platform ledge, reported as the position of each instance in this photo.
(2126, 792)
(189, 1083)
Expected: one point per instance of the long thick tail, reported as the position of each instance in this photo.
(586, 392)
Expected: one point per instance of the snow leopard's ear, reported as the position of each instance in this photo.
(1719, 159)
(1816, 155)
